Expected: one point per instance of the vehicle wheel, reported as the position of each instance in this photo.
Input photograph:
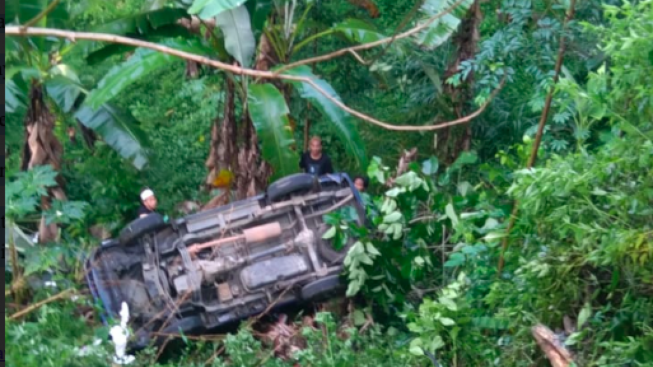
(322, 288)
(299, 182)
(139, 227)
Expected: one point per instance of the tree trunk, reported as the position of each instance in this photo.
(193, 26)
(42, 148)
(453, 141)
(237, 150)
(222, 154)
(254, 172)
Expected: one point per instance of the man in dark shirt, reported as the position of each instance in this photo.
(148, 203)
(315, 161)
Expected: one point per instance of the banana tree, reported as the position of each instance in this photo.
(285, 33)
(38, 87)
(265, 34)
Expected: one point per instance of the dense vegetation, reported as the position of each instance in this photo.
(472, 243)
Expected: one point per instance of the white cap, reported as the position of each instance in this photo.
(146, 194)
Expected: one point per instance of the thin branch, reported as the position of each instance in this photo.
(38, 305)
(367, 46)
(404, 22)
(17, 31)
(359, 57)
(540, 130)
(42, 14)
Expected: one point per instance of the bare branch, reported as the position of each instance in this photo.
(38, 305)
(102, 37)
(367, 46)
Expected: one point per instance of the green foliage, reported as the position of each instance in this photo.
(118, 129)
(239, 38)
(23, 192)
(346, 127)
(440, 29)
(140, 65)
(154, 25)
(22, 11)
(142, 23)
(269, 114)
(359, 31)
(206, 9)
(63, 87)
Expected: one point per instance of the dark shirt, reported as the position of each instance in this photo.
(317, 167)
(144, 210)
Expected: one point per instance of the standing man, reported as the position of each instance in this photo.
(315, 161)
(148, 203)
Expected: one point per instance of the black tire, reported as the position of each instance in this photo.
(139, 227)
(297, 183)
(323, 288)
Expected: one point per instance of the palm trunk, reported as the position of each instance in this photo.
(42, 148)
(193, 26)
(254, 171)
(237, 148)
(222, 154)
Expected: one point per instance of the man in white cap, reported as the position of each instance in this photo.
(148, 203)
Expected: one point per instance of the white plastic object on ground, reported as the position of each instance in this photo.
(120, 335)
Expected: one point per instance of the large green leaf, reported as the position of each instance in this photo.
(269, 113)
(358, 31)
(442, 28)
(143, 22)
(259, 11)
(344, 122)
(17, 89)
(142, 63)
(238, 37)
(158, 35)
(207, 9)
(118, 129)
(63, 87)
(15, 97)
(138, 25)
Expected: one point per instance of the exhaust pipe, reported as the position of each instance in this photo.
(251, 236)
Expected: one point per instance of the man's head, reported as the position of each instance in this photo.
(361, 183)
(315, 146)
(148, 199)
